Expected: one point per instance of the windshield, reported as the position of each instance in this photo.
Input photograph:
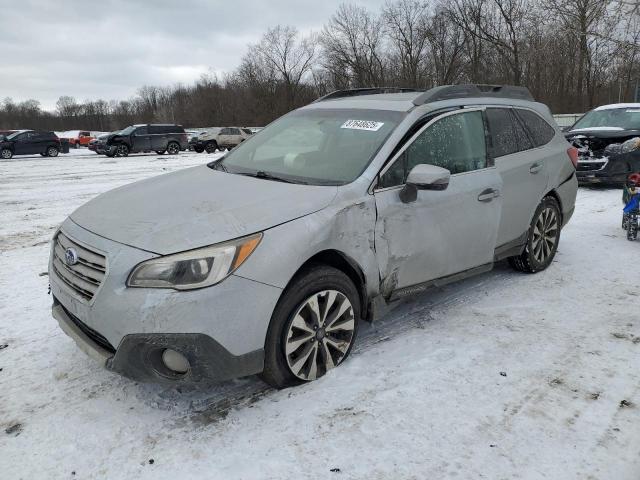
(323, 147)
(126, 131)
(625, 118)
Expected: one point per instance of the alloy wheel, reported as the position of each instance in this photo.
(172, 149)
(122, 151)
(6, 153)
(545, 234)
(320, 334)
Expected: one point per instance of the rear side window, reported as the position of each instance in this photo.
(234, 131)
(539, 130)
(503, 132)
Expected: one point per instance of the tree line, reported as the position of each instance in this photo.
(572, 55)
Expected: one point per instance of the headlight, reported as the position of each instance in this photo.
(196, 268)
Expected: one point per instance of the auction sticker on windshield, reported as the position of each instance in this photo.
(362, 125)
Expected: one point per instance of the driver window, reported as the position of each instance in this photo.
(141, 131)
(455, 142)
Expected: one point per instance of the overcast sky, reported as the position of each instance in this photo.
(108, 49)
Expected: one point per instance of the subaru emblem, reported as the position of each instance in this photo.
(70, 256)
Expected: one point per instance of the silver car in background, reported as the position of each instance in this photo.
(266, 260)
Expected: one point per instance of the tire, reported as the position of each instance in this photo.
(314, 348)
(160, 152)
(173, 148)
(542, 239)
(211, 147)
(6, 153)
(75, 145)
(632, 229)
(199, 149)
(52, 151)
(121, 150)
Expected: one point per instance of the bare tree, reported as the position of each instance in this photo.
(406, 25)
(353, 50)
(291, 57)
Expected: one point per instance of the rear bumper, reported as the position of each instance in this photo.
(139, 356)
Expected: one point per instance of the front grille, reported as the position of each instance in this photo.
(90, 332)
(86, 276)
(590, 166)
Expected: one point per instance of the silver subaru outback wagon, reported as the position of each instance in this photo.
(266, 260)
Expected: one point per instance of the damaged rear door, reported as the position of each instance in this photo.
(441, 232)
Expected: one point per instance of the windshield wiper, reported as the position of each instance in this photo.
(270, 176)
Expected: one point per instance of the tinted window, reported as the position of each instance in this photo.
(507, 136)
(247, 131)
(539, 130)
(455, 142)
(141, 131)
(225, 131)
(234, 131)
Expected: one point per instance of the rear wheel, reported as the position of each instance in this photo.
(542, 240)
(632, 227)
(211, 147)
(313, 327)
(198, 149)
(6, 153)
(173, 148)
(52, 152)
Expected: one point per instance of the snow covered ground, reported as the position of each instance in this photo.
(501, 376)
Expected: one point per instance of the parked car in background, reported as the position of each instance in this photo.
(266, 259)
(160, 138)
(77, 138)
(608, 143)
(30, 142)
(220, 139)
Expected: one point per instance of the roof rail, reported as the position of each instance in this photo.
(446, 92)
(354, 92)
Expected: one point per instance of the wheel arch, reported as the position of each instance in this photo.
(553, 194)
(340, 261)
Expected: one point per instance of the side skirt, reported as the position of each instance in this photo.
(438, 282)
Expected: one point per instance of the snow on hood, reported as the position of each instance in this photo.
(196, 207)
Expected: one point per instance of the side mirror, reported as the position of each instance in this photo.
(424, 177)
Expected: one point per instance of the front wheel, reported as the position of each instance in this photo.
(52, 152)
(121, 150)
(313, 327)
(6, 153)
(211, 147)
(173, 148)
(542, 240)
(160, 152)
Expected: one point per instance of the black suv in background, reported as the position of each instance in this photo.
(160, 138)
(29, 142)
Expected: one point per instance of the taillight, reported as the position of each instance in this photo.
(573, 155)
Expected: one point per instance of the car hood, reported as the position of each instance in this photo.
(603, 132)
(196, 207)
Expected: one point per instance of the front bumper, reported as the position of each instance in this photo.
(139, 356)
(220, 329)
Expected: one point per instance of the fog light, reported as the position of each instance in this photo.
(175, 361)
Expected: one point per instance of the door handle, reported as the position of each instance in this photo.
(488, 195)
(535, 168)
